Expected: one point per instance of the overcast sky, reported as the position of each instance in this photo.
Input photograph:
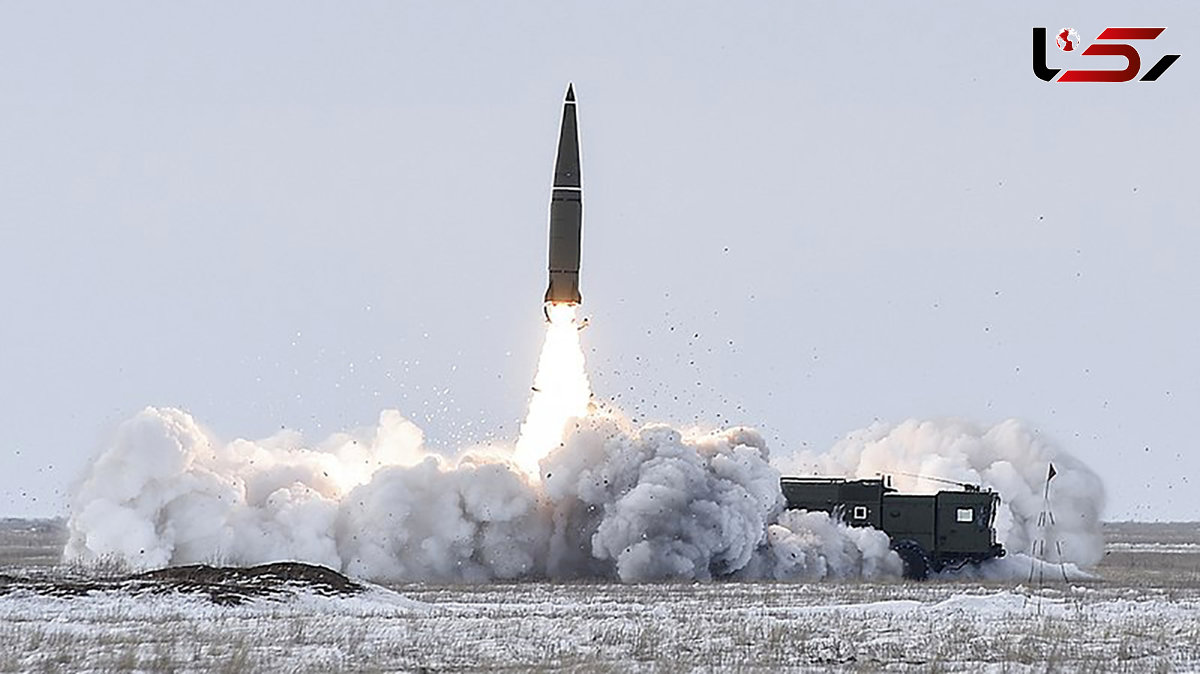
(798, 216)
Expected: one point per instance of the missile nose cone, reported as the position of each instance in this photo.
(566, 165)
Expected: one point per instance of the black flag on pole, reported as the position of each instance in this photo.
(1051, 474)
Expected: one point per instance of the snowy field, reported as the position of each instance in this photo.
(1141, 615)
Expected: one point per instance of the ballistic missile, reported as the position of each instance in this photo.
(566, 212)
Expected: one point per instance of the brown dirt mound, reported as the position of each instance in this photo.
(222, 585)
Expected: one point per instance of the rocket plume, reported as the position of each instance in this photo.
(561, 390)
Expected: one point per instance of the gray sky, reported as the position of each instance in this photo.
(296, 214)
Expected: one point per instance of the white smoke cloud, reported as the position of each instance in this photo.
(474, 520)
(612, 501)
(659, 504)
(167, 492)
(1008, 457)
(814, 546)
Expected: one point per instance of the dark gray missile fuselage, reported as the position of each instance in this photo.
(566, 212)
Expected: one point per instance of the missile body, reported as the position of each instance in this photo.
(566, 212)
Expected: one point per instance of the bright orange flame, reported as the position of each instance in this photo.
(561, 390)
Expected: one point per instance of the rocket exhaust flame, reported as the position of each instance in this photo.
(561, 390)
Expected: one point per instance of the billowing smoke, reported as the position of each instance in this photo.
(583, 494)
(654, 504)
(1009, 458)
(475, 519)
(815, 546)
(166, 491)
(613, 501)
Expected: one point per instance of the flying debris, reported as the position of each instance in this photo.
(566, 212)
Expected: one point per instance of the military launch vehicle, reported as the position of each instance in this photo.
(930, 532)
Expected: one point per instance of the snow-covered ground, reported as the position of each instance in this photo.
(1118, 624)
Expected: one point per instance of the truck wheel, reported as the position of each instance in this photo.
(916, 562)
